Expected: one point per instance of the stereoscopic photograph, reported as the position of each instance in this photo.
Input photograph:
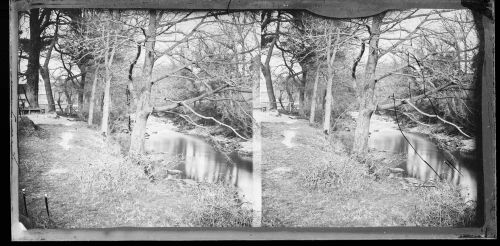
(236, 120)
(136, 118)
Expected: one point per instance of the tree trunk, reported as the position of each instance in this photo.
(108, 62)
(69, 105)
(366, 90)
(106, 106)
(59, 102)
(266, 70)
(290, 97)
(328, 105)
(302, 91)
(330, 60)
(280, 100)
(32, 77)
(44, 71)
(312, 115)
(81, 89)
(143, 109)
(92, 97)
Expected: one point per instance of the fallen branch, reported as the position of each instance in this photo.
(437, 116)
(179, 103)
(404, 101)
(212, 118)
(187, 118)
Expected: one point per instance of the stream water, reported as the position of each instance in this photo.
(457, 168)
(203, 163)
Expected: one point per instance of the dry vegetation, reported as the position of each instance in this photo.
(316, 183)
(90, 185)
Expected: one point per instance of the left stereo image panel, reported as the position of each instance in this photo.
(135, 118)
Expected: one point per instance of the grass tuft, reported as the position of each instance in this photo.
(218, 211)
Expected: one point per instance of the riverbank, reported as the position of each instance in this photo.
(90, 184)
(310, 180)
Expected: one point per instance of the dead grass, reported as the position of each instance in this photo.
(217, 210)
(315, 183)
(90, 185)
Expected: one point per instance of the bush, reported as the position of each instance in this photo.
(26, 127)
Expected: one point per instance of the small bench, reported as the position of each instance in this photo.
(29, 110)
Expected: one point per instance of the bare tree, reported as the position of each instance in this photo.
(365, 86)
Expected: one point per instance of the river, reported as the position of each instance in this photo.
(203, 163)
(457, 168)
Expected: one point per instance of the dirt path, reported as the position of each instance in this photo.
(309, 181)
(89, 185)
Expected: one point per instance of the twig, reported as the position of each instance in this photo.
(452, 166)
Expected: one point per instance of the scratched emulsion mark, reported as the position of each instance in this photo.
(288, 138)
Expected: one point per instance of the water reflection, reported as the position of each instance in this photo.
(456, 168)
(203, 163)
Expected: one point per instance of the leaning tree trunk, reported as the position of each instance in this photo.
(312, 115)
(48, 89)
(44, 71)
(32, 77)
(143, 107)
(269, 86)
(365, 91)
(266, 71)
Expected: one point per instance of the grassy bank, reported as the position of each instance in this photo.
(90, 184)
(312, 181)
